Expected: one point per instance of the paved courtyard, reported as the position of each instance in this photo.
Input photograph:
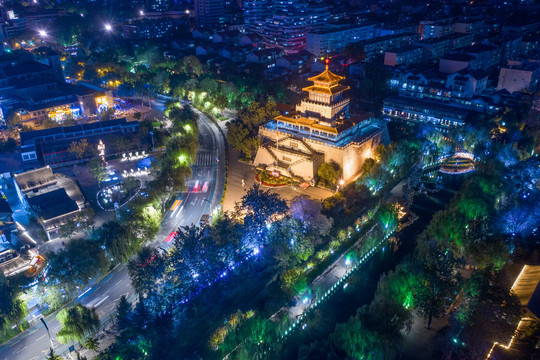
(240, 171)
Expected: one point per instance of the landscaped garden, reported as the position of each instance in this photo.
(273, 178)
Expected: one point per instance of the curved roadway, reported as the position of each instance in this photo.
(204, 193)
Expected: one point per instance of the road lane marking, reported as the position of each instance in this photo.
(41, 337)
(119, 282)
(22, 349)
(101, 302)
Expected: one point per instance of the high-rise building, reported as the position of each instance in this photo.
(255, 13)
(290, 22)
(209, 14)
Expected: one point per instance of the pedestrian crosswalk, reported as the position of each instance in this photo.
(204, 159)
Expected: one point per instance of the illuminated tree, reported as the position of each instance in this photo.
(79, 148)
(241, 139)
(78, 322)
(97, 170)
(261, 208)
(12, 308)
(309, 213)
(192, 65)
(360, 342)
(146, 271)
(329, 173)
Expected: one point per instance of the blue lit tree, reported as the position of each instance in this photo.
(261, 209)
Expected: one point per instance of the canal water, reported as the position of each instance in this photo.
(363, 283)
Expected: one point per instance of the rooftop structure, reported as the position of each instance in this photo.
(50, 146)
(54, 198)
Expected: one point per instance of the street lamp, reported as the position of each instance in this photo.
(42, 33)
(48, 333)
(108, 27)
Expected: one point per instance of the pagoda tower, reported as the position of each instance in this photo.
(326, 101)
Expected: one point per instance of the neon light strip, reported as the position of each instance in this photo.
(511, 340)
(519, 276)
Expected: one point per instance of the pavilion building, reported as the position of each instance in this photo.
(320, 130)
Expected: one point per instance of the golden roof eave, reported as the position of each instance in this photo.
(326, 77)
(306, 122)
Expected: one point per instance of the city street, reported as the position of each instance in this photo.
(204, 193)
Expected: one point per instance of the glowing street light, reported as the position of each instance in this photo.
(108, 27)
(42, 33)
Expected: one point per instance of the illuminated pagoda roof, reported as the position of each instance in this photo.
(326, 83)
(326, 77)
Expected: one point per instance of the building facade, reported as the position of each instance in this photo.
(408, 55)
(290, 21)
(209, 14)
(421, 111)
(523, 76)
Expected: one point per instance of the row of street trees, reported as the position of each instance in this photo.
(84, 261)
(167, 283)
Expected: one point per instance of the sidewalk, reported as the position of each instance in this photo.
(417, 342)
(332, 276)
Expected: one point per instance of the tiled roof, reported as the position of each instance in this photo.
(34, 178)
(53, 204)
(326, 77)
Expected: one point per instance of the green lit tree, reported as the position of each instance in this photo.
(78, 322)
(329, 173)
(12, 308)
(97, 170)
